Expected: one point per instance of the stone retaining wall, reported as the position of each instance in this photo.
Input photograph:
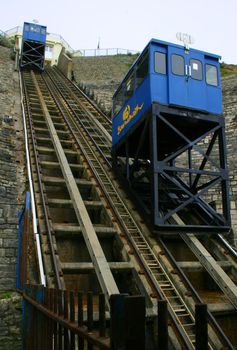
(101, 76)
(12, 179)
(229, 86)
(10, 321)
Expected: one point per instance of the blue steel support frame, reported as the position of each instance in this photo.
(22, 214)
(183, 186)
(32, 55)
(192, 191)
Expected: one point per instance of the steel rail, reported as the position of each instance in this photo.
(138, 253)
(32, 194)
(218, 329)
(97, 255)
(48, 229)
(227, 245)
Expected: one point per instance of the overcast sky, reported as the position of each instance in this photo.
(130, 24)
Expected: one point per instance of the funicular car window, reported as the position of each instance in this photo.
(196, 69)
(129, 86)
(142, 70)
(160, 62)
(211, 75)
(35, 29)
(43, 31)
(177, 64)
(26, 28)
(118, 101)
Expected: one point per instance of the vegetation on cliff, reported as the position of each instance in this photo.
(228, 69)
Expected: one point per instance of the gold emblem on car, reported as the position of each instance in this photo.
(128, 116)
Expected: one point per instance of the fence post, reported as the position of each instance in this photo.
(201, 327)
(127, 322)
(25, 322)
(162, 325)
(135, 316)
(102, 318)
(117, 321)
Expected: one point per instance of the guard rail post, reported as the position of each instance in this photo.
(162, 325)
(201, 327)
(127, 322)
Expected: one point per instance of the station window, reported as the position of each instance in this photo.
(160, 62)
(118, 101)
(142, 69)
(211, 75)
(129, 86)
(196, 69)
(177, 64)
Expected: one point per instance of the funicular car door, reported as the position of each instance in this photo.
(187, 85)
(196, 84)
(178, 92)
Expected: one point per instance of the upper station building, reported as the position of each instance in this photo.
(54, 44)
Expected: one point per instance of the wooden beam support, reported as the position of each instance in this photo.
(224, 282)
(194, 266)
(85, 267)
(69, 230)
(211, 265)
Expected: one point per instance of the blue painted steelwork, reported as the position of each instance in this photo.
(175, 76)
(21, 222)
(19, 251)
(33, 46)
(169, 104)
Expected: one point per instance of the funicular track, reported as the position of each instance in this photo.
(156, 267)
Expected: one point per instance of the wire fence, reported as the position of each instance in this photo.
(104, 52)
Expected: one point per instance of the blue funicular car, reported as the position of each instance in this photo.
(169, 102)
(171, 75)
(33, 46)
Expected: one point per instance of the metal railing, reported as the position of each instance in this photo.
(61, 319)
(13, 30)
(60, 39)
(104, 52)
(2, 33)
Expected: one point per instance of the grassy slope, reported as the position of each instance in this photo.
(228, 69)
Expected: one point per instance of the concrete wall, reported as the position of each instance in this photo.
(65, 64)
